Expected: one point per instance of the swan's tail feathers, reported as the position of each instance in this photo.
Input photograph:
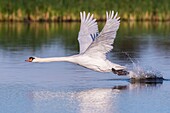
(120, 72)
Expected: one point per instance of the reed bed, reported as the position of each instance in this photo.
(68, 10)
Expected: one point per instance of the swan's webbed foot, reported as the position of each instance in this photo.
(120, 72)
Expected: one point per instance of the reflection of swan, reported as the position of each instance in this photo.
(87, 101)
(97, 100)
(93, 45)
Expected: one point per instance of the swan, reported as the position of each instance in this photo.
(93, 46)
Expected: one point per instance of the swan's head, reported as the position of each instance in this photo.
(30, 59)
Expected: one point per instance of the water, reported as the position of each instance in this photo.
(64, 87)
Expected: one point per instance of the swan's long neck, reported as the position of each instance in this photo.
(55, 59)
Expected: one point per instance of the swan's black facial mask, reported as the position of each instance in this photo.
(30, 59)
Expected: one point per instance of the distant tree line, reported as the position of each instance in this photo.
(68, 10)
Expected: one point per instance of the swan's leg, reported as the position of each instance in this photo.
(120, 72)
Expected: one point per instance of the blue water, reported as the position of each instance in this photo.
(68, 88)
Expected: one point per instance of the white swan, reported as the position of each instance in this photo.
(93, 45)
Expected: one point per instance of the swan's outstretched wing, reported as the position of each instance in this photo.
(103, 43)
(88, 31)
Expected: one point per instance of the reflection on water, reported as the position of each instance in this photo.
(40, 100)
(136, 38)
(93, 100)
(18, 36)
(36, 35)
(36, 99)
(119, 98)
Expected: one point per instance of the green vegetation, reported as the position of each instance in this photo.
(68, 10)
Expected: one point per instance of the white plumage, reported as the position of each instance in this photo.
(88, 31)
(93, 45)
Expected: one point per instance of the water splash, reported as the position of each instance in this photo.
(142, 72)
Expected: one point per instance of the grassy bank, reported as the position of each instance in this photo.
(68, 10)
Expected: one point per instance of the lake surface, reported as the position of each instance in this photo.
(68, 88)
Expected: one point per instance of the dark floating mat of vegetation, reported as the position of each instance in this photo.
(68, 10)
